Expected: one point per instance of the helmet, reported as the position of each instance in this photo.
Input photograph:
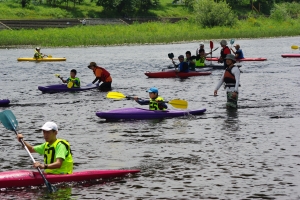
(230, 57)
(37, 48)
(201, 44)
(223, 42)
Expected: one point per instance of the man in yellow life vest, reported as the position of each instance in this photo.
(37, 53)
(57, 152)
(155, 102)
(75, 80)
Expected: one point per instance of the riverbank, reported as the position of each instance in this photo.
(154, 33)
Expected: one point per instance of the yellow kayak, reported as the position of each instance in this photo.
(48, 59)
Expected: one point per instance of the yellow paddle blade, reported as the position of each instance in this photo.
(49, 56)
(70, 84)
(295, 47)
(57, 75)
(115, 95)
(178, 103)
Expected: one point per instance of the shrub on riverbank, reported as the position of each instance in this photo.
(147, 33)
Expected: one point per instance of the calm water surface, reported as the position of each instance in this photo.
(251, 153)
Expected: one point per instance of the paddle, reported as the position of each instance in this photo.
(10, 122)
(231, 42)
(176, 103)
(295, 47)
(70, 83)
(211, 44)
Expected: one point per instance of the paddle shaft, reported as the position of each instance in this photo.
(41, 173)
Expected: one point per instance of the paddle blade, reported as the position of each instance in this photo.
(115, 95)
(178, 103)
(232, 41)
(70, 84)
(50, 187)
(57, 75)
(9, 120)
(171, 55)
(295, 47)
(211, 44)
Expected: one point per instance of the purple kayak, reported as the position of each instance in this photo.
(4, 102)
(140, 113)
(64, 88)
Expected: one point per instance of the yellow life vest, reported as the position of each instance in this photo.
(200, 62)
(37, 55)
(153, 104)
(74, 79)
(49, 156)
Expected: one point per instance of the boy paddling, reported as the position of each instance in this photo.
(57, 152)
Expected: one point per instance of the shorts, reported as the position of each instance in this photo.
(105, 86)
(231, 102)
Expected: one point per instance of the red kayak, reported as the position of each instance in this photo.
(174, 74)
(291, 55)
(239, 60)
(25, 178)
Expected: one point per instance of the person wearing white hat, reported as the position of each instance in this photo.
(201, 46)
(224, 51)
(231, 77)
(57, 152)
(37, 53)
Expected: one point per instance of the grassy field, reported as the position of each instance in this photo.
(11, 10)
(147, 33)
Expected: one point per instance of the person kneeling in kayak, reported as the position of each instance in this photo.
(238, 53)
(200, 59)
(38, 54)
(155, 102)
(75, 80)
(101, 75)
(57, 152)
(182, 66)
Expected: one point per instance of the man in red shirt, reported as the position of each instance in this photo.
(224, 51)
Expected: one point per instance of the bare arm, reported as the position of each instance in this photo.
(57, 164)
(29, 147)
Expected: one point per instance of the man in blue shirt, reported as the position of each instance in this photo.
(238, 53)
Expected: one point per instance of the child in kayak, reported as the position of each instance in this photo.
(238, 53)
(155, 102)
(75, 80)
(200, 59)
(38, 54)
(190, 60)
(182, 66)
(56, 152)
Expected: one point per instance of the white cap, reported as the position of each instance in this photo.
(201, 44)
(48, 126)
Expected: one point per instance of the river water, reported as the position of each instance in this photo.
(249, 153)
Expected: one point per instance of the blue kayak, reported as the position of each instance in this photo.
(64, 88)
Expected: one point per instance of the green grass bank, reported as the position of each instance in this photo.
(104, 35)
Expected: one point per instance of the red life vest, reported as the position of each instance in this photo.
(104, 74)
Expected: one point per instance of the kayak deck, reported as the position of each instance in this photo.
(140, 113)
(174, 74)
(24, 178)
(64, 88)
(291, 55)
(4, 102)
(42, 59)
(239, 60)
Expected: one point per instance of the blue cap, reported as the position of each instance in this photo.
(153, 90)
